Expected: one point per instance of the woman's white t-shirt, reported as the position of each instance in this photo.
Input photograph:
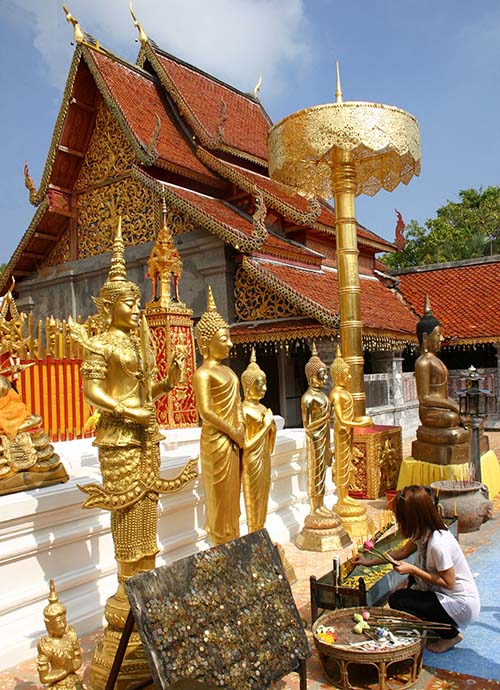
(461, 602)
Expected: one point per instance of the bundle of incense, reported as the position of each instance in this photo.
(385, 556)
(401, 623)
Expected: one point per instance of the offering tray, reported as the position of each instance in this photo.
(351, 665)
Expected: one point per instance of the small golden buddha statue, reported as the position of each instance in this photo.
(323, 530)
(439, 437)
(27, 458)
(315, 408)
(352, 512)
(217, 392)
(59, 653)
(260, 437)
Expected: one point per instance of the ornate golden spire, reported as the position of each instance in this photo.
(79, 35)
(143, 37)
(165, 269)
(338, 91)
(118, 271)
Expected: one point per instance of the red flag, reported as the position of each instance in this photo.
(400, 239)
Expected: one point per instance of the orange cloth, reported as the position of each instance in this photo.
(13, 412)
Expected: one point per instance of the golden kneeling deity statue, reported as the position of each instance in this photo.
(218, 399)
(440, 439)
(59, 653)
(27, 458)
(260, 437)
(352, 511)
(322, 528)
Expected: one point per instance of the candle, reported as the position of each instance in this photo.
(455, 509)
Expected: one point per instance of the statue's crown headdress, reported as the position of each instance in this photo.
(54, 608)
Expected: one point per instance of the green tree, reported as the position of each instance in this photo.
(461, 230)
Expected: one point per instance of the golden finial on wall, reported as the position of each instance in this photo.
(76, 26)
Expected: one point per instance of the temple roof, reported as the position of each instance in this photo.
(220, 116)
(315, 293)
(464, 295)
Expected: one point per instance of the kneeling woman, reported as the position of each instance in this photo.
(444, 590)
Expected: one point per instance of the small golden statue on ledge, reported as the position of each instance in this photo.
(439, 438)
(217, 392)
(27, 458)
(352, 512)
(59, 654)
(260, 437)
(322, 529)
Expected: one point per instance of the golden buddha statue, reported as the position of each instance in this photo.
(260, 437)
(352, 512)
(217, 392)
(322, 529)
(27, 458)
(439, 437)
(119, 378)
(315, 408)
(59, 653)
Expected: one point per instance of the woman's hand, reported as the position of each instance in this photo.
(404, 568)
(361, 559)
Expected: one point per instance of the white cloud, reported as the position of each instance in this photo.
(235, 40)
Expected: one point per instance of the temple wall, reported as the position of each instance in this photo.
(45, 534)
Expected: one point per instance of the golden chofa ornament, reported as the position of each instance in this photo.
(341, 150)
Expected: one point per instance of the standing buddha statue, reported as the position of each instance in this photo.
(260, 437)
(352, 512)
(217, 392)
(323, 530)
(315, 408)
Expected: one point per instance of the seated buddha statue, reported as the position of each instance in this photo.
(439, 414)
(27, 458)
(59, 653)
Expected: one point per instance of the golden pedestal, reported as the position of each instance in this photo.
(377, 456)
(322, 534)
(134, 669)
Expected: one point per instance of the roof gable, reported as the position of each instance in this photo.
(220, 116)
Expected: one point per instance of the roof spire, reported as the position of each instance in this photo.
(143, 37)
(256, 89)
(76, 26)
(338, 91)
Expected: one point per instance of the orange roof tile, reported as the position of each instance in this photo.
(380, 309)
(237, 224)
(216, 111)
(464, 297)
(139, 98)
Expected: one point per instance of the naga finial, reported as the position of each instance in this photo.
(338, 91)
(256, 88)
(79, 35)
(143, 37)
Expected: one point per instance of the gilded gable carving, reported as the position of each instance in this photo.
(252, 301)
(99, 208)
(108, 154)
(59, 253)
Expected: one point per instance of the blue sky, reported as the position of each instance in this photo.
(437, 59)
